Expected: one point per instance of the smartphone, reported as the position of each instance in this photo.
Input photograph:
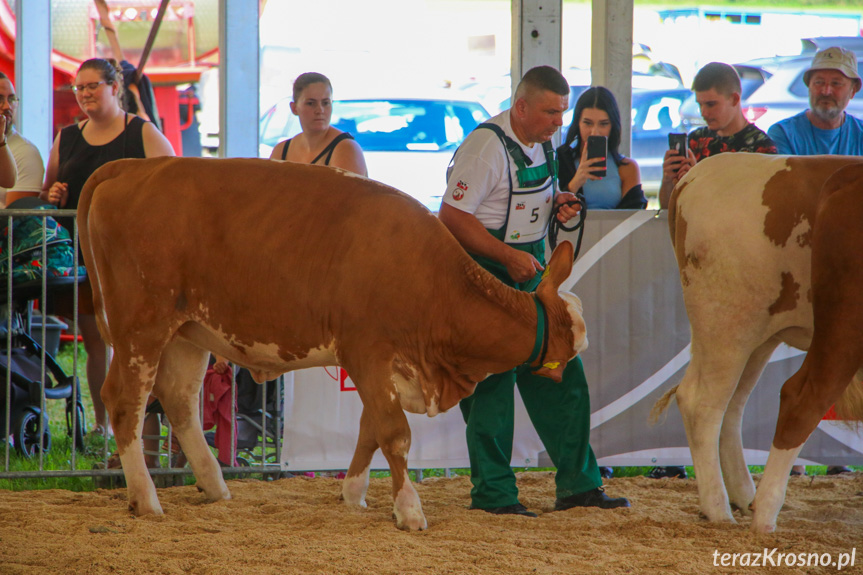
(597, 147)
(677, 142)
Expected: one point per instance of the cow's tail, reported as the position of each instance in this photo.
(662, 404)
(849, 408)
(87, 244)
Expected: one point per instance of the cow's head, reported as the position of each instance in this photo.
(567, 335)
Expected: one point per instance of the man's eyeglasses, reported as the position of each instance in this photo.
(11, 100)
(91, 87)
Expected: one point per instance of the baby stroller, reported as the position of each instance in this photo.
(21, 372)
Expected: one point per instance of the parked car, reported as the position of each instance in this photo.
(407, 142)
(655, 114)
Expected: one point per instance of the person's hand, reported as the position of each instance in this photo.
(3, 127)
(685, 165)
(221, 366)
(104, 15)
(567, 210)
(671, 164)
(58, 194)
(521, 266)
(584, 171)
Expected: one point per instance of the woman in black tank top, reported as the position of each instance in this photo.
(108, 133)
(319, 143)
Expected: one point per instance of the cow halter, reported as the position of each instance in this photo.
(540, 346)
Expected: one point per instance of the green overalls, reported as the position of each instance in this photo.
(560, 412)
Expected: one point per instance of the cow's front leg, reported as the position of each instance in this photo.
(382, 407)
(125, 396)
(356, 483)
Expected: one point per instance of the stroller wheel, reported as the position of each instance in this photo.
(80, 429)
(27, 434)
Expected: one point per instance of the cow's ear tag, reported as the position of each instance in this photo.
(544, 273)
(551, 364)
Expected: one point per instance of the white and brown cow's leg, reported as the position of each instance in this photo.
(738, 479)
(382, 406)
(703, 396)
(807, 395)
(178, 383)
(771, 489)
(125, 392)
(356, 483)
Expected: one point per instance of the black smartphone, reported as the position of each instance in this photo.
(677, 142)
(597, 147)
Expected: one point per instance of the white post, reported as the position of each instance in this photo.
(34, 79)
(611, 58)
(239, 78)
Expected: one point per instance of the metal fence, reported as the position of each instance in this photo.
(32, 376)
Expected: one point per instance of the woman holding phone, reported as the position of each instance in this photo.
(597, 114)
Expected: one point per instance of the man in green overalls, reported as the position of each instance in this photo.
(501, 189)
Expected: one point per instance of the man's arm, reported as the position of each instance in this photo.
(474, 238)
(8, 170)
(31, 169)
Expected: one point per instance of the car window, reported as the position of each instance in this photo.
(661, 113)
(278, 124)
(407, 125)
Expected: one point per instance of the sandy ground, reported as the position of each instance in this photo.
(299, 525)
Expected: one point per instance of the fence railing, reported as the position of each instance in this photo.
(34, 376)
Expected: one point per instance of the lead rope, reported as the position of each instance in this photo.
(555, 226)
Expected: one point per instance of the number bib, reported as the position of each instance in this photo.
(529, 214)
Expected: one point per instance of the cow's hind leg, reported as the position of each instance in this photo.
(125, 391)
(356, 483)
(382, 405)
(178, 384)
(738, 479)
(703, 396)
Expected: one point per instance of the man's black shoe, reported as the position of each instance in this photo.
(593, 498)
(514, 509)
(606, 472)
(838, 470)
(670, 471)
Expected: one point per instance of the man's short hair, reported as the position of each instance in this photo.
(542, 78)
(717, 76)
(3, 76)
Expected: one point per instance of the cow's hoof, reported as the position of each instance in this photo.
(760, 527)
(140, 508)
(354, 491)
(412, 523)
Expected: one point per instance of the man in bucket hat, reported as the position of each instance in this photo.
(825, 128)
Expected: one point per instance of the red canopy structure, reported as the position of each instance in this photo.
(175, 60)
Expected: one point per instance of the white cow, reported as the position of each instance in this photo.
(741, 226)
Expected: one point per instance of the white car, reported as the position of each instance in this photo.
(407, 142)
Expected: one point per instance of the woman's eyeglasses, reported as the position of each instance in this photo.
(91, 87)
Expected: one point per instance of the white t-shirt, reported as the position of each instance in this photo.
(28, 161)
(478, 183)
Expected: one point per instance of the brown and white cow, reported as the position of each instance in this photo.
(281, 266)
(835, 355)
(741, 226)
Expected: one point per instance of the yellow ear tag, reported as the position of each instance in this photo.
(551, 364)
(544, 273)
